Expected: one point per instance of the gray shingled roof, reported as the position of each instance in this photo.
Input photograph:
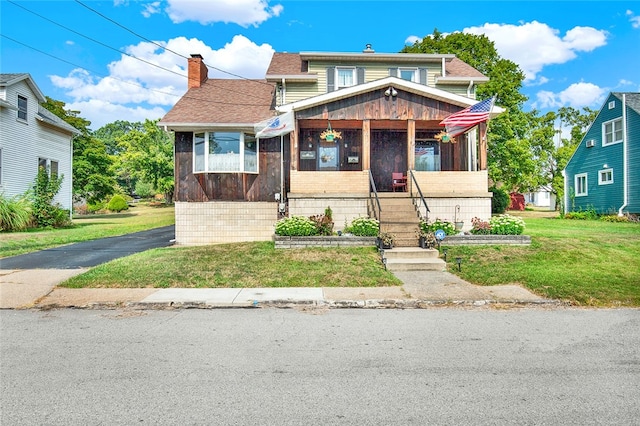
(632, 99)
(224, 101)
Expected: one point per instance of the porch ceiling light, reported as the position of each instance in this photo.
(391, 92)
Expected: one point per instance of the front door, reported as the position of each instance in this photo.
(388, 155)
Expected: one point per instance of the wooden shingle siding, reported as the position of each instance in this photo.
(226, 186)
(374, 105)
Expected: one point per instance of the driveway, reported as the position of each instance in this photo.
(27, 278)
(92, 253)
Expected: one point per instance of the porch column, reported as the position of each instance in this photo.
(293, 154)
(411, 144)
(482, 147)
(366, 144)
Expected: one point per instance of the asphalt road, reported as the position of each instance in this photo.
(91, 253)
(320, 367)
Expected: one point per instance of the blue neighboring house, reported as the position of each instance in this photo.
(604, 172)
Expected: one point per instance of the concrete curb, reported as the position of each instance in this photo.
(309, 304)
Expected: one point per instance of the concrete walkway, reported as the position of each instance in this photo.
(37, 289)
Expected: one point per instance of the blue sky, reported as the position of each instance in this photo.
(97, 56)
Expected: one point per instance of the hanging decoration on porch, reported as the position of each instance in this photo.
(330, 135)
(445, 137)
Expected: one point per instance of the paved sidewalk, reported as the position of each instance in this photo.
(36, 288)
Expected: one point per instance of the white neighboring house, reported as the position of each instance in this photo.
(30, 137)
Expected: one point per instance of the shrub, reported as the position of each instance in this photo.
(614, 218)
(505, 224)
(363, 227)
(295, 226)
(95, 207)
(480, 227)
(46, 214)
(448, 227)
(15, 213)
(323, 222)
(144, 189)
(582, 215)
(500, 200)
(117, 203)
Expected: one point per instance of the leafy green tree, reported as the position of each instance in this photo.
(93, 179)
(147, 154)
(109, 134)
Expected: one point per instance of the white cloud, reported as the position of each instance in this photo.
(101, 113)
(242, 12)
(133, 86)
(577, 95)
(150, 9)
(412, 39)
(635, 20)
(534, 45)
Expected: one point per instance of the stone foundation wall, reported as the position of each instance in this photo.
(333, 241)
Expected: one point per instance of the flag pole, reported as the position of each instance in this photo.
(483, 138)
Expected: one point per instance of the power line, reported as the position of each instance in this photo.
(157, 44)
(130, 82)
(94, 40)
(127, 54)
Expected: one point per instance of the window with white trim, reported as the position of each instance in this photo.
(409, 74)
(612, 132)
(225, 152)
(345, 77)
(22, 107)
(52, 167)
(581, 185)
(605, 177)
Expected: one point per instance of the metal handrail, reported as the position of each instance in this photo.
(415, 182)
(374, 191)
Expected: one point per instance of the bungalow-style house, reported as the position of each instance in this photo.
(32, 137)
(356, 118)
(604, 172)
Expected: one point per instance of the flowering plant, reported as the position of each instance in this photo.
(363, 227)
(505, 224)
(387, 238)
(480, 227)
(448, 227)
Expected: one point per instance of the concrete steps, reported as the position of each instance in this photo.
(412, 259)
(399, 217)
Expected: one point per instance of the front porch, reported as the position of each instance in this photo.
(451, 196)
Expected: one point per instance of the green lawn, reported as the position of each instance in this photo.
(591, 263)
(588, 263)
(88, 227)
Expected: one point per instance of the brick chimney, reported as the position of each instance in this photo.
(198, 72)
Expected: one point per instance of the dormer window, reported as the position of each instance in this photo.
(345, 77)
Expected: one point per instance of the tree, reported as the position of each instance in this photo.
(93, 178)
(509, 151)
(147, 154)
(109, 134)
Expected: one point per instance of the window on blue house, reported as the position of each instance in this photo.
(605, 177)
(581, 185)
(225, 152)
(612, 132)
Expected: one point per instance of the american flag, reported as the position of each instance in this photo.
(459, 122)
